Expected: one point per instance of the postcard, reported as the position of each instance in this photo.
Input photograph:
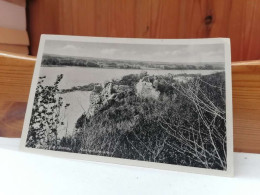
(157, 103)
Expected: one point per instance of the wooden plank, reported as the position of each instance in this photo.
(11, 118)
(16, 74)
(15, 37)
(142, 24)
(44, 14)
(101, 18)
(246, 106)
(19, 49)
(164, 18)
(121, 24)
(15, 80)
(83, 22)
(15, 77)
(65, 16)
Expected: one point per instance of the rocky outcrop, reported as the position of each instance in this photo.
(147, 88)
(95, 103)
(98, 97)
(101, 97)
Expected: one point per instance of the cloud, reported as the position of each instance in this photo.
(161, 53)
(110, 51)
(217, 56)
(179, 52)
(69, 48)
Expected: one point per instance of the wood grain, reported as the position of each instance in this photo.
(14, 37)
(237, 19)
(16, 74)
(246, 106)
(11, 118)
(15, 79)
(19, 49)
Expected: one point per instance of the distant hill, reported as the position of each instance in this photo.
(59, 60)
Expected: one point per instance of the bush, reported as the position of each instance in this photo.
(45, 115)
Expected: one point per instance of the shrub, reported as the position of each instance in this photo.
(45, 117)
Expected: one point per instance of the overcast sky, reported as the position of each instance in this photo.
(143, 52)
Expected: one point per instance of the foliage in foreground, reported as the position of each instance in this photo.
(186, 125)
(45, 117)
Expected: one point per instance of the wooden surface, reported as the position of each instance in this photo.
(13, 37)
(15, 80)
(16, 74)
(19, 49)
(237, 19)
(246, 106)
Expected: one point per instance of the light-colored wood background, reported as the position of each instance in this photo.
(16, 74)
(15, 81)
(246, 106)
(237, 19)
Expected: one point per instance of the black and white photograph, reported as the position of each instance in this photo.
(146, 102)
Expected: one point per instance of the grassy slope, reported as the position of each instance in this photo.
(158, 130)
